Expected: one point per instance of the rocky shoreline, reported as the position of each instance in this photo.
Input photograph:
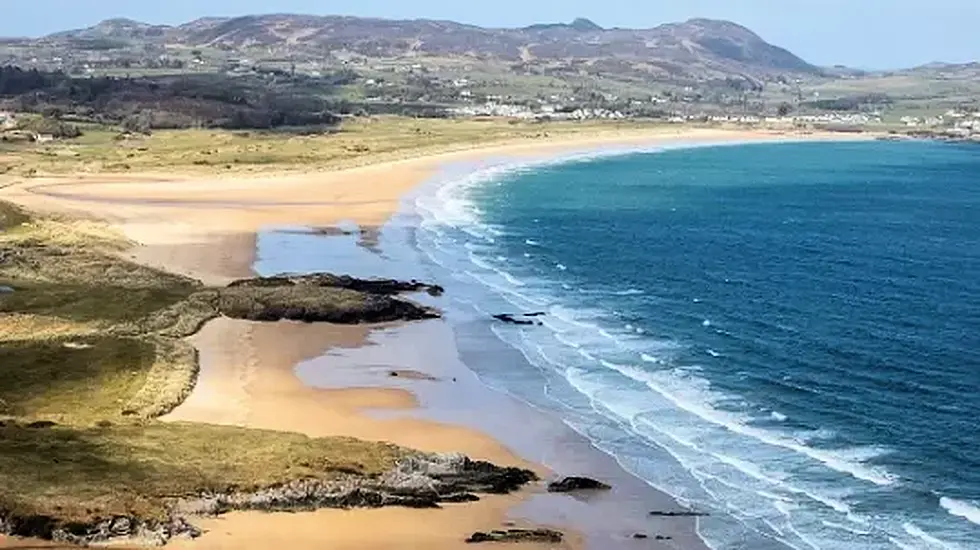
(417, 481)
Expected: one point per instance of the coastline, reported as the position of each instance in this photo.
(208, 229)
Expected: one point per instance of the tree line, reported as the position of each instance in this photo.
(180, 101)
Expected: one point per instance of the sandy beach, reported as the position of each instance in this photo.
(275, 376)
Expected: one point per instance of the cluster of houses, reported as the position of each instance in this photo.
(953, 124)
(545, 112)
(952, 118)
(849, 119)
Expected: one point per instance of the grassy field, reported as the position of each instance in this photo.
(85, 474)
(89, 356)
(360, 141)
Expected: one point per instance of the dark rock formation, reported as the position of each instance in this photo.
(412, 375)
(371, 286)
(313, 304)
(146, 533)
(322, 297)
(644, 536)
(574, 483)
(681, 514)
(518, 319)
(517, 535)
(41, 425)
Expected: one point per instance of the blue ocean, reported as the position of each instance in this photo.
(785, 336)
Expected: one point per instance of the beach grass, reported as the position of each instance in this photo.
(72, 380)
(359, 141)
(85, 474)
(107, 304)
(11, 216)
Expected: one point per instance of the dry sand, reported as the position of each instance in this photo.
(206, 228)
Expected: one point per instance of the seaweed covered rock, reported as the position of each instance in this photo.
(371, 286)
(323, 297)
(576, 483)
(314, 304)
(517, 536)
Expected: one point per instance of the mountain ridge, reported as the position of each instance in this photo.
(703, 47)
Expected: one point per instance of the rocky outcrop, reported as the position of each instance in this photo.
(371, 286)
(681, 514)
(313, 304)
(517, 535)
(519, 319)
(418, 481)
(135, 530)
(323, 298)
(576, 483)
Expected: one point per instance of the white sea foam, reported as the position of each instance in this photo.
(713, 353)
(686, 396)
(902, 545)
(778, 416)
(503, 290)
(963, 509)
(652, 359)
(629, 292)
(933, 542)
(785, 508)
(771, 496)
(847, 528)
(531, 242)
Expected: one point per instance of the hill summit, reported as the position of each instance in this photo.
(696, 49)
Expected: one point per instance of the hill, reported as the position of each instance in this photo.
(698, 49)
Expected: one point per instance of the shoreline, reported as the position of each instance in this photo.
(186, 227)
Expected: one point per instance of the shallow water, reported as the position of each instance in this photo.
(785, 335)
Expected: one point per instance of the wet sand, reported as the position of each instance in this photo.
(452, 393)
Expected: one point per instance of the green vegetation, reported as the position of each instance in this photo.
(11, 216)
(42, 125)
(182, 101)
(358, 142)
(87, 302)
(86, 474)
(79, 380)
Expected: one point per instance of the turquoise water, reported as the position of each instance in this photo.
(784, 335)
